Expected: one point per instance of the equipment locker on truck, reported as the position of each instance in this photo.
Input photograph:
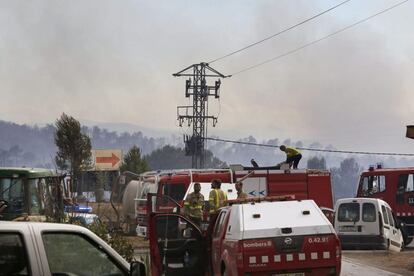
(256, 237)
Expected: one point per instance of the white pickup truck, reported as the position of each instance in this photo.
(33, 248)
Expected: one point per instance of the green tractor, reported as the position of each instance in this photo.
(31, 194)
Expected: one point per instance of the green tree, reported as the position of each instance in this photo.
(133, 161)
(316, 162)
(345, 178)
(74, 148)
(169, 157)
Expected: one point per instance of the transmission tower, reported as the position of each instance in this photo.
(197, 114)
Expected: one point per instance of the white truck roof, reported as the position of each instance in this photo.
(267, 219)
(360, 200)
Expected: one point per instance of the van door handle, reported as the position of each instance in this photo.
(359, 228)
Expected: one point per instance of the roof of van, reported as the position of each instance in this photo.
(360, 200)
(266, 219)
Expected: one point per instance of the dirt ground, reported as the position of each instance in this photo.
(110, 215)
(397, 262)
(138, 242)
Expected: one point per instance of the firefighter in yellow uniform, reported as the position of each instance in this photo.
(293, 156)
(217, 198)
(193, 205)
(240, 193)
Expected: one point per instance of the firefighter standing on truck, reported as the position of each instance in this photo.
(217, 198)
(293, 156)
(193, 205)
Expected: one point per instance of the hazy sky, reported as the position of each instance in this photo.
(111, 61)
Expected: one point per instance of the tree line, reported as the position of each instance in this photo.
(22, 145)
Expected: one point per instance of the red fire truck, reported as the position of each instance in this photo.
(396, 187)
(257, 182)
(303, 184)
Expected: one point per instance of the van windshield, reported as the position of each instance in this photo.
(348, 212)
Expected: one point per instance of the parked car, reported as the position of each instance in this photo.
(84, 219)
(36, 248)
(367, 223)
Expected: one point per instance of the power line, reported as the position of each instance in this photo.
(320, 39)
(312, 149)
(279, 33)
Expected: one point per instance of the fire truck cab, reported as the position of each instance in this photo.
(253, 237)
(149, 184)
(396, 187)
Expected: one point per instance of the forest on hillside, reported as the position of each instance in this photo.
(33, 146)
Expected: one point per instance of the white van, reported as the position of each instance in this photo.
(367, 223)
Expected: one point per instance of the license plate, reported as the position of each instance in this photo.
(290, 274)
(347, 229)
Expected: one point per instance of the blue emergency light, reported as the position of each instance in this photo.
(78, 209)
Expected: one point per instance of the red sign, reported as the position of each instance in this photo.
(107, 159)
(111, 159)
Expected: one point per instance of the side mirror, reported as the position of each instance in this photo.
(182, 225)
(399, 224)
(187, 233)
(3, 205)
(137, 269)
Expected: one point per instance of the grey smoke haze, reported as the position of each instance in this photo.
(111, 61)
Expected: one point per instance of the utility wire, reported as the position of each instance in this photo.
(320, 39)
(279, 33)
(311, 149)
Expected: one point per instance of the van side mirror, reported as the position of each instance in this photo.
(137, 269)
(398, 223)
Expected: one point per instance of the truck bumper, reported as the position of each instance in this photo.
(362, 242)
